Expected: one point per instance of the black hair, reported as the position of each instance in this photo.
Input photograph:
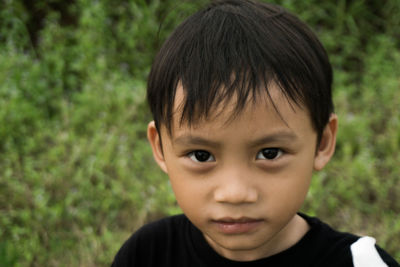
(237, 48)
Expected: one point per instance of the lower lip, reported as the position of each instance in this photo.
(237, 227)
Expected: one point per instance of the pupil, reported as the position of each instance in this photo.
(270, 153)
(202, 155)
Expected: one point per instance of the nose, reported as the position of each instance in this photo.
(236, 188)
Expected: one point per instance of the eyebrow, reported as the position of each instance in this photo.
(195, 140)
(280, 136)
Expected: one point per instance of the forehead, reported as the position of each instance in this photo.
(272, 110)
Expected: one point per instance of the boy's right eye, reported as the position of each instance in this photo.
(201, 156)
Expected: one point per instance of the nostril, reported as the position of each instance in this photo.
(235, 194)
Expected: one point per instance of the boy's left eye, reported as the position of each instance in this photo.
(269, 153)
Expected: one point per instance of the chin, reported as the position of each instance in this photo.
(240, 250)
(239, 242)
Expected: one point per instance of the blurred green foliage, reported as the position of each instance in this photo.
(76, 173)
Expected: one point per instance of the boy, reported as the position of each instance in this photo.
(241, 99)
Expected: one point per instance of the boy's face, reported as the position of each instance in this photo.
(242, 181)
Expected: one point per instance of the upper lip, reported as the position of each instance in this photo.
(237, 220)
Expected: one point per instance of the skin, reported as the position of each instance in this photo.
(244, 203)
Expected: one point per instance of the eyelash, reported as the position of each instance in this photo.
(275, 149)
(192, 156)
(209, 157)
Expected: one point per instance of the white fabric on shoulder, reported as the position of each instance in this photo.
(364, 253)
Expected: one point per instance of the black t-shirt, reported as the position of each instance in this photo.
(175, 241)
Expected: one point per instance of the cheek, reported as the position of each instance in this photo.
(285, 200)
(289, 188)
(190, 192)
(189, 188)
(300, 180)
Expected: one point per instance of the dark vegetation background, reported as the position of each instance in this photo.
(76, 173)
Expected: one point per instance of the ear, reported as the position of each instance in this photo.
(327, 144)
(155, 141)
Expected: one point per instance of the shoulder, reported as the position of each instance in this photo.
(156, 231)
(335, 248)
(152, 240)
(161, 228)
(366, 253)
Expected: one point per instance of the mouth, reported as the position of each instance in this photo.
(241, 225)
